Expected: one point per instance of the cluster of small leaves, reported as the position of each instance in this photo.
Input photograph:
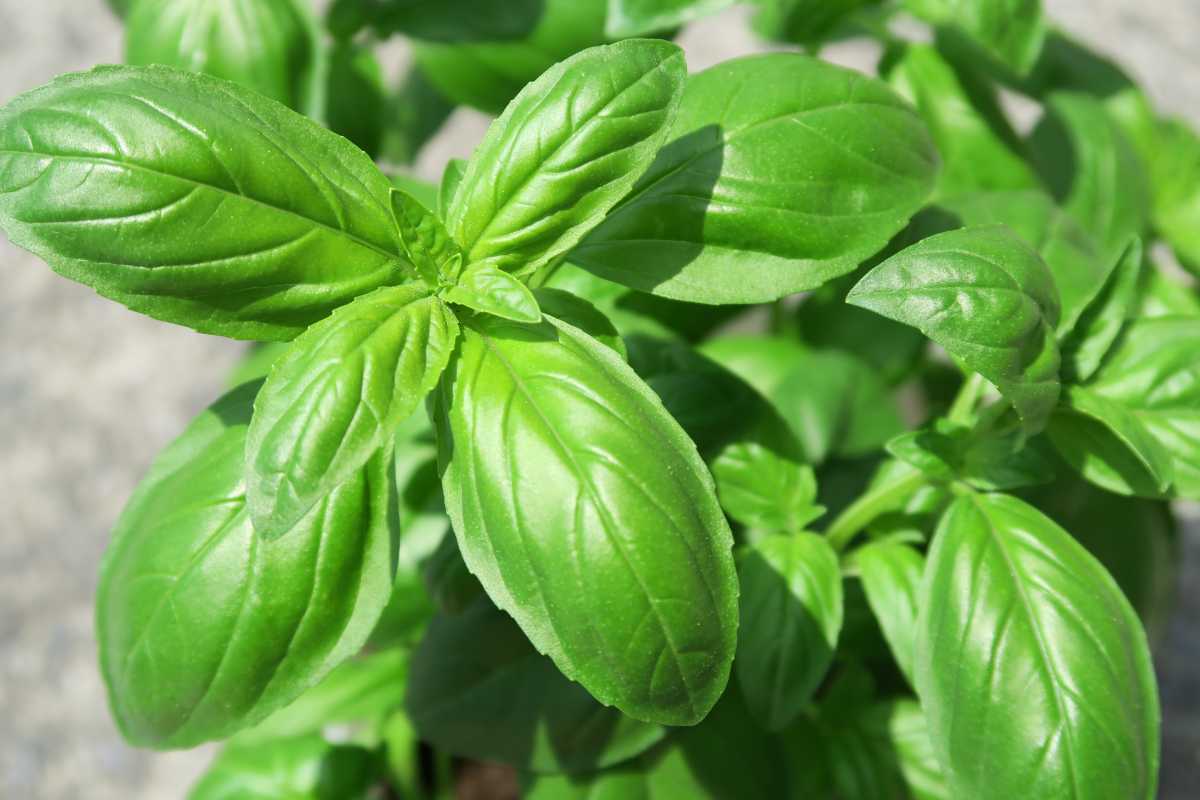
(499, 485)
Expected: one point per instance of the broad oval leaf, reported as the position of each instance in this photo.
(288, 769)
(434, 255)
(265, 45)
(791, 614)
(1010, 31)
(891, 578)
(204, 627)
(766, 486)
(337, 395)
(782, 172)
(1154, 372)
(985, 297)
(1050, 690)
(564, 151)
(479, 689)
(195, 201)
(587, 514)
(487, 288)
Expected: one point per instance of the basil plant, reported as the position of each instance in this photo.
(772, 430)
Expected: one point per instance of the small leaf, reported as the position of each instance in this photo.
(891, 578)
(985, 297)
(791, 614)
(287, 769)
(1175, 172)
(641, 17)
(1101, 321)
(337, 395)
(765, 489)
(1010, 31)
(781, 173)
(1032, 668)
(486, 288)
(1109, 445)
(990, 460)
(479, 690)
(451, 178)
(587, 514)
(204, 627)
(564, 151)
(432, 252)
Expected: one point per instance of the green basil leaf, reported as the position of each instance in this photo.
(486, 288)
(640, 17)
(448, 581)
(428, 246)
(356, 96)
(782, 173)
(1161, 295)
(479, 689)
(451, 179)
(449, 20)
(1052, 691)
(194, 201)
(804, 21)
(287, 769)
(1010, 31)
(588, 515)
(988, 460)
(1175, 171)
(204, 627)
(791, 614)
(402, 756)
(337, 395)
(264, 45)
(985, 297)
(411, 116)
(976, 153)
(1101, 321)
(581, 314)
(1092, 170)
(367, 689)
(423, 192)
(1155, 374)
(764, 489)
(891, 578)
(1107, 444)
(564, 151)
(487, 71)
(909, 734)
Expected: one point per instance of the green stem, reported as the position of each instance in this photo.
(963, 407)
(862, 511)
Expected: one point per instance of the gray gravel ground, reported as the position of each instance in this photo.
(89, 392)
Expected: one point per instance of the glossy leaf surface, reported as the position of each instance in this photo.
(1102, 319)
(193, 200)
(1031, 666)
(588, 515)
(479, 689)
(434, 255)
(791, 614)
(781, 173)
(891, 578)
(204, 627)
(765, 489)
(298, 767)
(337, 395)
(985, 297)
(487, 288)
(564, 151)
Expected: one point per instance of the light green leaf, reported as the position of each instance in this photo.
(909, 733)
(782, 172)
(891, 578)
(985, 297)
(1010, 31)
(1032, 668)
(1101, 321)
(195, 201)
(564, 151)
(986, 459)
(588, 515)
(791, 614)
(1162, 295)
(451, 178)
(428, 246)
(298, 768)
(765, 489)
(1175, 172)
(337, 395)
(486, 288)
(479, 690)
(640, 17)
(264, 45)
(206, 628)
(1108, 444)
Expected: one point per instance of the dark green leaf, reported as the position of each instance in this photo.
(986, 459)
(337, 395)
(891, 578)
(356, 96)
(1011, 31)
(583, 315)
(436, 257)
(299, 768)
(205, 627)
(487, 288)
(1110, 446)
(985, 297)
(791, 614)
(804, 21)
(479, 689)
(264, 45)
(1032, 668)
(765, 489)
(1102, 319)
(447, 20)
(588, 515)
(640, 17)
(411, 116)
(564, 151)
(195, 201)
(447, 579)
(782, 173)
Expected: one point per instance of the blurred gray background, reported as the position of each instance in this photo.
(89, 392)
